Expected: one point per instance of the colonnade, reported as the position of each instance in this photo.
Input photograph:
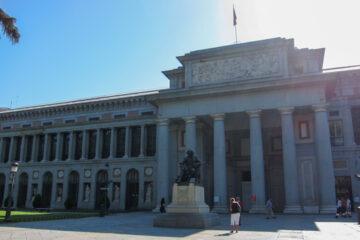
(292, 196)
(70, 153)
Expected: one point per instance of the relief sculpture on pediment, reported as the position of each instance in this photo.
(242, 67)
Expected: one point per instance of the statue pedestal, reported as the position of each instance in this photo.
(187, 210)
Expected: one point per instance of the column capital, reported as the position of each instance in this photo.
(254, 113)
(163, 121)
(320, 107)
(190, 119)
(218, 116)
(286, 110)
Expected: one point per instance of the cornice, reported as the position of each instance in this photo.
(72, 108)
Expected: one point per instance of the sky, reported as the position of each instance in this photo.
(73, 49)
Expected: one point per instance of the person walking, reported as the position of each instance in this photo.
(269, 209)
(338, 208)
(348, 207)
(240, 204)
(234, 214)
(162, 206)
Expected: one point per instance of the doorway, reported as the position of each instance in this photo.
(132, 189)
(23, 185)
(73, 187)
(101, 184)
(343, 188)
(46, 190)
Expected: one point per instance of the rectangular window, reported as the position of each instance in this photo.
(29, 145)
(40, 149)
(94, 119)
(336, 133)
(150, 140)
(47, 123)
(18, 141)
(119, 116)
(148, 113)
(53, 141)
(6, 145)
(78, 144)
(304, 132)
(120, 137)
(69, 121)
(106, 134)
(65, 146)
(92, 144)
(135, 141)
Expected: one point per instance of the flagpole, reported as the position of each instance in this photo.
(235, 23)
(236, 35)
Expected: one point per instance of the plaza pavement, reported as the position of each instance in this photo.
(138, 225)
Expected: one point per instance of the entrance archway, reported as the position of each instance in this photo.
(47, 189)
(101, 183)
(22, 192)
(132, 189)
(2, 188)
(73, 187)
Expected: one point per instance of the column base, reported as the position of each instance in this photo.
(220, 209)
(156, 209)
(257, 209)
(293, 209)
(327, 209)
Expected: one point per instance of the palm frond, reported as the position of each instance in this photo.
(8, 27)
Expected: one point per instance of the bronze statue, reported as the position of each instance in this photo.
(190, 169)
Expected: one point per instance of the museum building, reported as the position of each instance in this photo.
(264, 118)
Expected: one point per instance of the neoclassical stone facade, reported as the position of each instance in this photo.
(264, 117)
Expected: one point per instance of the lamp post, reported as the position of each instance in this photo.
(358, 207)
(13, 171)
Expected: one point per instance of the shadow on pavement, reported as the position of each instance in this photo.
(140, 223)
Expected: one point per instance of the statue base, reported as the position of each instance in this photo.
(187, 210)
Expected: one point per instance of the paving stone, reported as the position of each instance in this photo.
(138, 225)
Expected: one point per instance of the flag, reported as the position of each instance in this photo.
(234, 16)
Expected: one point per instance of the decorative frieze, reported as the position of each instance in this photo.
(242, 67)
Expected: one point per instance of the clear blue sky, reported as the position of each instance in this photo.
(71, 49)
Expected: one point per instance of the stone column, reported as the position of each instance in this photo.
(22, 149)
(348, 128)
(142, 141)
(53, 190)
(66, 186)
(98, 144)
(141, 189)
(163, 164)
(84, 146)
(324, 160)
(127, 139)
(113, 143)
(12, 150)
(290, 162)
(28, 203)
(257, 162)
(46, 148)
(220, 187)
(59, 143)
(71, 154)
(34, 151)
(190, 134)
(80, 202)
(6, 188)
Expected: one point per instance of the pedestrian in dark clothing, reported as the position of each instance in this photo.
(162, 206)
